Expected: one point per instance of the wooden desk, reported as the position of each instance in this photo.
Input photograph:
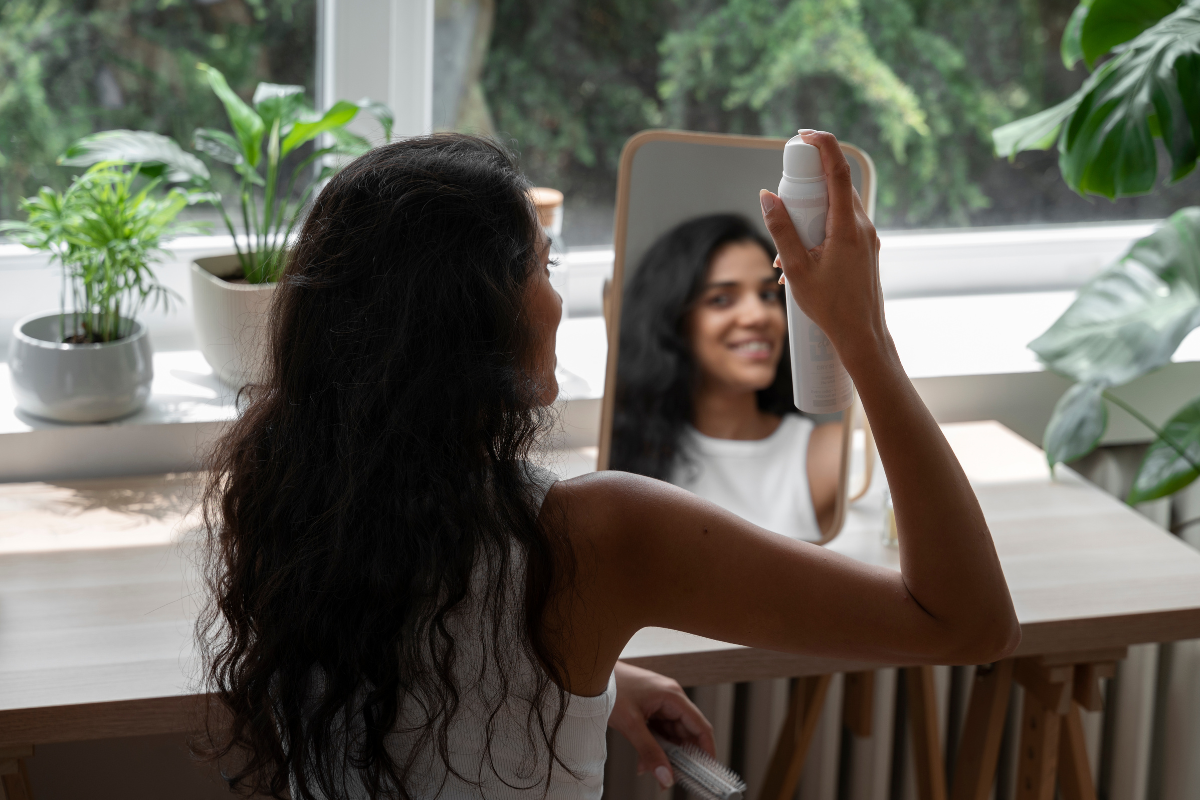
(97, 603)
(1086, 572)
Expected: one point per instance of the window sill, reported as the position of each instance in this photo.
(963, 343)
(189, 407)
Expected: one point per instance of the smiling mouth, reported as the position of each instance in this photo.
(754, 349)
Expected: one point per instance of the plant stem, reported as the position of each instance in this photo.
(229, 227)
(1161, 434)
(248, 265)
(1179, 526)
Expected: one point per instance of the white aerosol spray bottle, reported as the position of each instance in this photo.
(820, 384)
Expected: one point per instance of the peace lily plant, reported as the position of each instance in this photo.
(1130, 319)
(231, 294)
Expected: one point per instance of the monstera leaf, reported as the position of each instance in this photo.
(1078, 422)
(1131, 318)
(1168, 466)
(1036, 132)
(1108, 23)
(1150, 88)
(1071, 46)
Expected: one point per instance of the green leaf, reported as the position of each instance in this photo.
(1107, 146)
(1109, 23)
(1036, 132)
(1079, 419)
(349, 144)
(136, 147)
(219, 145)
(1164, 470)
(1070, 47)
(336, 117)
(247, 124)
(1130, 319)
(275, 101)
(250, 174)
(195, 198)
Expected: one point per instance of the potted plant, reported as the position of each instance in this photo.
(1129, 319)
(232, 292)
(92, 361)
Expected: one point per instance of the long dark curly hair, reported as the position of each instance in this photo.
(380, 461)
(656, 373)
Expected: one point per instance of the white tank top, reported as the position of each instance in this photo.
(764, 481)
(515, 768)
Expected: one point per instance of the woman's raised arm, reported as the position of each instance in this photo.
(653, 555)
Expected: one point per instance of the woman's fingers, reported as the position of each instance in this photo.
(688, 723)
(651, 757)
(792, 253)
(837, 177)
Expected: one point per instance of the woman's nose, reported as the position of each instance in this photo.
(753, 311)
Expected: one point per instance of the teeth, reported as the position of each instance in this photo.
(753, 347)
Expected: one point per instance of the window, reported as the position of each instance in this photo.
(71, 67)
(917, 83)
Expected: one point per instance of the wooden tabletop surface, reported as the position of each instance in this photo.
(97, 590)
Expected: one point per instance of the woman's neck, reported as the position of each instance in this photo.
(725, 414)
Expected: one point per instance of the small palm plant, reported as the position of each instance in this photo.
(104, 231)
(276, 122)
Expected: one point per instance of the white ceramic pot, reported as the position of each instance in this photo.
(230, 319)
(78, 382)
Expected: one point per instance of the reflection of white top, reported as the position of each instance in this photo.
(764, 481)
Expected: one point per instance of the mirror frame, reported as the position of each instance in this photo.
(613, 290)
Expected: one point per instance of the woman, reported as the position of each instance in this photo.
(402, 607)
(704, 390)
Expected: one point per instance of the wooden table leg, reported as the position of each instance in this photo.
(927, 748)
(1088, 691)
(858, 707)
(14, 779)
(1047, 700)
(1052, 747)
(788, 759)
(1074, 772)
(979, 749)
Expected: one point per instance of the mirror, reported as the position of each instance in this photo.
(699, 391)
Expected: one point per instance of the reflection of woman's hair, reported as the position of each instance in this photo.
(380, 462)
(656, 373)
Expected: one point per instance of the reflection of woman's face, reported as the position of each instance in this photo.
(737, 324)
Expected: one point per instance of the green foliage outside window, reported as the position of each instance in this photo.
(918, 83)
(72, 67)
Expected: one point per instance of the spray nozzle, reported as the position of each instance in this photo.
(802, 162)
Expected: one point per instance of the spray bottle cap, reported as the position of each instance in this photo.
(802, 162)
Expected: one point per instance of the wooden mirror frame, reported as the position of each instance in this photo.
(614, 290)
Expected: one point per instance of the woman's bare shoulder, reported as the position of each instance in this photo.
(613, 508)
(609, 494)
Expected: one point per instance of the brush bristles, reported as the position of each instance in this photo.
(701, 775)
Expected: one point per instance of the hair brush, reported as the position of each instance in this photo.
(700, 774)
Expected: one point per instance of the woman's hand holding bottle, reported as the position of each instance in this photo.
(836, 284)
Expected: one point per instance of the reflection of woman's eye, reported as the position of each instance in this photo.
(720, 300)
